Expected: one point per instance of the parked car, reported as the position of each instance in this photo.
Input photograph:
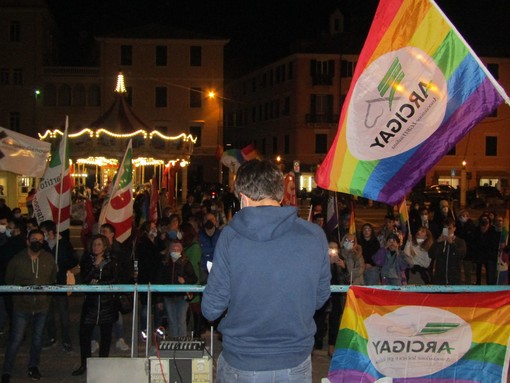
(484, 196)
(438, 192)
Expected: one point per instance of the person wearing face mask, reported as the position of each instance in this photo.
(175, 269)
(33, 266)
(486, 250)
(3, 230)
(392, 262)
(446, 254)
(369, 246)
(148, 255)
(16, 242)
(417, 252)
(442, 212)
(208, 237)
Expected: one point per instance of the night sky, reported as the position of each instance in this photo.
(259, 30)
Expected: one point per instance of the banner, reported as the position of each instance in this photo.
(52, 201)
(417, 90)
(22, 154)
(393, 336)
(117, 208)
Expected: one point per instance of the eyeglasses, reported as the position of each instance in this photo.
(349, 240)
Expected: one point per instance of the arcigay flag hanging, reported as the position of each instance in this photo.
(417, 90)
(403, 337)
(117, 208)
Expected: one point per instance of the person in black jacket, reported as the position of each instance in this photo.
(99, 309)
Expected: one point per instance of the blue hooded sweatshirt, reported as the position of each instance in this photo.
(270, 273)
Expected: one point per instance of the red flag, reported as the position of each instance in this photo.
(153, 206)
(169, 177)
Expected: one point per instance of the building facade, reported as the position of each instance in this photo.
(169, 77)
(289, 109)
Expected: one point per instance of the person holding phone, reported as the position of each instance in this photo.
(447, 254)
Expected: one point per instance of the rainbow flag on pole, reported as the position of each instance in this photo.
(418, 88)
(403, 337)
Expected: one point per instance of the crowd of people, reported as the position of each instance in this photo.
(437, 246)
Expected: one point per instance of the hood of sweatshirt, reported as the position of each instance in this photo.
(263, 223)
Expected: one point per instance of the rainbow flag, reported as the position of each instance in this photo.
(403, 337)
(418, 88)
(404, 218)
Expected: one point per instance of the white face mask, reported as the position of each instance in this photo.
(348, 245)
(3, 228)
(153, 233)
(175, 255)
(463, 219)
(419, 241)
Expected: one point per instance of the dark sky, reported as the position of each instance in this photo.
(261, 30)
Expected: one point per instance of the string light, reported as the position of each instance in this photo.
(53, 134)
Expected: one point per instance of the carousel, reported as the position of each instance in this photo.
(95, 152)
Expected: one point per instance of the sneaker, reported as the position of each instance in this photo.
(49, 344)
(94, 346)
(6, 378)
(34, 374)
(122, 345)
(67, 347)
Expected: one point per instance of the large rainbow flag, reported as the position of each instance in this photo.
(398, 337)
(418, 88)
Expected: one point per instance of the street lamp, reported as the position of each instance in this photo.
(463, 184)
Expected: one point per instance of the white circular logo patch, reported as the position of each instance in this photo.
(397, 103)
(415, 341)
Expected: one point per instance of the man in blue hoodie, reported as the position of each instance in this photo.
(270, 273)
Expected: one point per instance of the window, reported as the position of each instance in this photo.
(491, 146)
(15, 32)
(321, 143)
(322, 72)
(195, 56)
(195, 97)
(196, 132)
(286, 144)
(4, 76)
(321, 108)
(15, 121)
(64, 95)
(79, 95)
(49, 95)
(17, 76)
(275, 144)
(94, 95)
(126, 55)
(161, 97)
(346, 68)
(286, 106)
(161, 55)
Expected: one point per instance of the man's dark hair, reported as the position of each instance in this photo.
(48, 226)
(35, 231)
(259, 180)
(108, 226)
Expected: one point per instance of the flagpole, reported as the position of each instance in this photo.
(62, 173)
(335, 204)
(496, 85)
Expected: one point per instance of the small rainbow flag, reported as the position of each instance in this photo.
(403, 337)
(418, 88)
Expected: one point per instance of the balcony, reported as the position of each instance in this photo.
(322, 118)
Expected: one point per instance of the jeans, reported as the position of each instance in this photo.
(19, 323)
(176, 308)
(299, 374)
(86, 331)
(59, 304)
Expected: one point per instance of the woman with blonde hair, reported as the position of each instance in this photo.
(417, 254)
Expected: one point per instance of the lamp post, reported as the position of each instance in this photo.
(463, 185)
(219, 124)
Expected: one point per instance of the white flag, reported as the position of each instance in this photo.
(22, 154)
